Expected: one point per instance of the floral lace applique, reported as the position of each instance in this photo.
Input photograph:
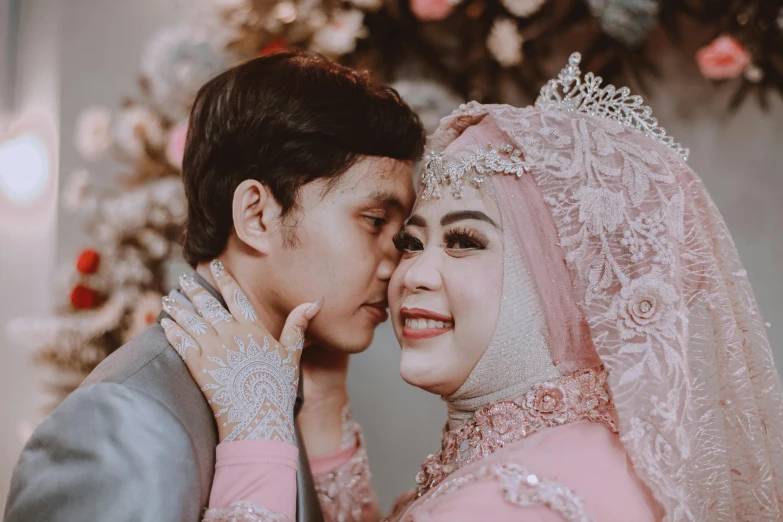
(522, 488)
(579, 396)
(346, 494)
(243, 512)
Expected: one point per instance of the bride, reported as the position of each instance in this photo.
(569, 288)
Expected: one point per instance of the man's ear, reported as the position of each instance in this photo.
(255, 210)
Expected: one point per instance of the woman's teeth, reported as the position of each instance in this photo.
(427, 323)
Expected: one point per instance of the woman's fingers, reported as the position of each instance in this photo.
(188, 320)
(237, 300)
(180, 340)
(187, 348)
(206, 304)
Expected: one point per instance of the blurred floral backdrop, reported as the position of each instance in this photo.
(436, 53)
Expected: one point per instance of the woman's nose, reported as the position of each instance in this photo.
(423, 273)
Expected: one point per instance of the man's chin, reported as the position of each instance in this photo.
(351, 343)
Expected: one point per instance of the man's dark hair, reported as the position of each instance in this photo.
(284, 120)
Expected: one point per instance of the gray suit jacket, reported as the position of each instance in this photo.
(135, 443)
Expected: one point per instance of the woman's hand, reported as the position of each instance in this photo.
(249, 378)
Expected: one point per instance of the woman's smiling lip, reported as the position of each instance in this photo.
(421, 313)
(419, 323)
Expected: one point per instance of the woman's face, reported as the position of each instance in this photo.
(444, 296)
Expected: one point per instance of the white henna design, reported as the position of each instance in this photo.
(210, 309)
(256, 387)
(241, 300)
(183, 343)
(193, 322)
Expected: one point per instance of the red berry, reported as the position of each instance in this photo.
(88, 261)
(83, 297)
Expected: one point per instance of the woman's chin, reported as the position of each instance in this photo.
(428, 377)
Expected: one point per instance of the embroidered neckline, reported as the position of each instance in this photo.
(581, 395)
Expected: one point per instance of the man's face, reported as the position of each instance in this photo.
(344, 252)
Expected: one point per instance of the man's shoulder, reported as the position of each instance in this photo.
(135, 356)
(148, 365)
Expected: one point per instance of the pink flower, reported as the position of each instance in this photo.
(175, 148)
(546, 401)
(431, 10)
(723, 59)
(646, 306)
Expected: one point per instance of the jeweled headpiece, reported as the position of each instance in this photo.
(568, 92)
(476, 168)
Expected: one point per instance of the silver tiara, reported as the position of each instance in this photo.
(570, 93)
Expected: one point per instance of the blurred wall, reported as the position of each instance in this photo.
(27, 228)
(738, 155)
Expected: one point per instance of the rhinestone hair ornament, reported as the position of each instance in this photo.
(568, 92)
(475, 169)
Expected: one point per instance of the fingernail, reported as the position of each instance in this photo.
(178, 297)
(314, 308)
(217, 268)
(187, 283)
(166, 302)
(166, 323)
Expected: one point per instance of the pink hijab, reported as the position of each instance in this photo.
(616, 255)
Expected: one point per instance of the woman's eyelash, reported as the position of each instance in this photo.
(458, 239)
(466, 239)
(405, 242)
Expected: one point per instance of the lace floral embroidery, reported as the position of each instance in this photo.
(579, 396)
(671, 313)
(523, 489)
(243, 512)
(346, 493)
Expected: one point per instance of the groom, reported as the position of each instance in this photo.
(297, 173)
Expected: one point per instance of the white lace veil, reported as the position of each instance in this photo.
(654, 272)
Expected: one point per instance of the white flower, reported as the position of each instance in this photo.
(523, 8)
(76, 191)
(368, 5)
(754, 73)
(93, 132)
(156, 245)
(179, 60)
(136, 126)
(645, 306)
(505, 42)
(430, 100)
(146, 311)
(338, 36)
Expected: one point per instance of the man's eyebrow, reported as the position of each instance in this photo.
(387, 199)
